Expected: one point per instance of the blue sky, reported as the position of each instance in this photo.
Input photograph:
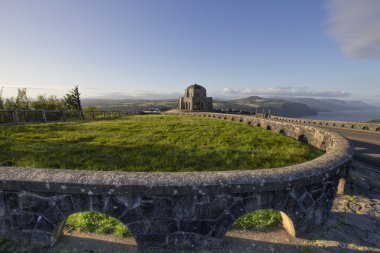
(154, 49)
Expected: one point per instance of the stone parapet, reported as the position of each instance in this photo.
(184, 210)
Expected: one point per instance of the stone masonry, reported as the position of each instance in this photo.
(187, 210)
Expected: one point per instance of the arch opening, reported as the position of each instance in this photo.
(96, 223)
(343, 125)
(258, 220)
(365, 128)
(249, 123)
(241, 120)
(353, 127)
(378, 129)
(322, 146)
(269, 128)
(282, 132)
(258, 125)
(303, 138)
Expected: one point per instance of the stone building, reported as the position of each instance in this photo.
(195, 99)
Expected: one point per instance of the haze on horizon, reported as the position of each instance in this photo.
(154, 49)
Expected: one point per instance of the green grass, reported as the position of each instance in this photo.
(92, 222)
(149, 143)
(260, 220)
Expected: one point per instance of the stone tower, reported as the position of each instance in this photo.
(195, 99)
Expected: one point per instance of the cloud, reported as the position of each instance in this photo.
(286, 92)
(355, 25)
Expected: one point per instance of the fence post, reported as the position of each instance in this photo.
(15, 118)
(44, 116)
(81, 115)
(93, 115)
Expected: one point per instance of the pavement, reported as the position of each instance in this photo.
(367, 144)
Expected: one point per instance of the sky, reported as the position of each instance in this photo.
(155, 49)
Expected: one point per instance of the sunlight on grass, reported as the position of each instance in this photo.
(260, 220)
(149, 143)
(92, 222)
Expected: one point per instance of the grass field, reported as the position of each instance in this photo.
(149, 143)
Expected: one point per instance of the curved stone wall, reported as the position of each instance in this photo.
(185, 210)
(342, 124)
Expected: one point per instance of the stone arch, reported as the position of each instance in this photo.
(249, 123)
(269, 127)
(241, 120)
(343, 125)
(323, 146)
(258, 125)
(99, 216)
(225, 118)
(378, 129)
(320, 123)
(365, 128)
(334, 124)
(353, 127)
(303, 138)
(213, 116)
(232, 118)
(209, 116)
(282, 132)
(326, 124)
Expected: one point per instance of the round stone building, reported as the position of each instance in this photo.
(195, 99)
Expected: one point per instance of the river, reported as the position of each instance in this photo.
(355, 116)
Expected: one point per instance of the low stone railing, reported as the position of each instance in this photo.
(184, 210)
(329, 123)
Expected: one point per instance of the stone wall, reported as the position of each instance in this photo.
(342, 124)
(184, 210)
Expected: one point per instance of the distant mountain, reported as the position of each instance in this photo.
(327, 105)
(276, 106)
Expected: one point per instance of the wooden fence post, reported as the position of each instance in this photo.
(44, 116)
(15, 118)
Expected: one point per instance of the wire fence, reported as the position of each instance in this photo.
(37, 116)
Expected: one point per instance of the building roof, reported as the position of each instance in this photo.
(195, 86)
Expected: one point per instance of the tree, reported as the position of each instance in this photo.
(10, 103)
(72, 100)
(47, 103)
(22, 101)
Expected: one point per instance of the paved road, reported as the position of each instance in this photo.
(367, 144)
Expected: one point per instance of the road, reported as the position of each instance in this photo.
(367, 144)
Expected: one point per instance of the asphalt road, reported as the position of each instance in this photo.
(367, 144)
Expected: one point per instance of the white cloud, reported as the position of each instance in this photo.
(285, 92)
(355, 25)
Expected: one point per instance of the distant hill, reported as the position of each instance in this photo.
(278, 107)
(327, 105)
